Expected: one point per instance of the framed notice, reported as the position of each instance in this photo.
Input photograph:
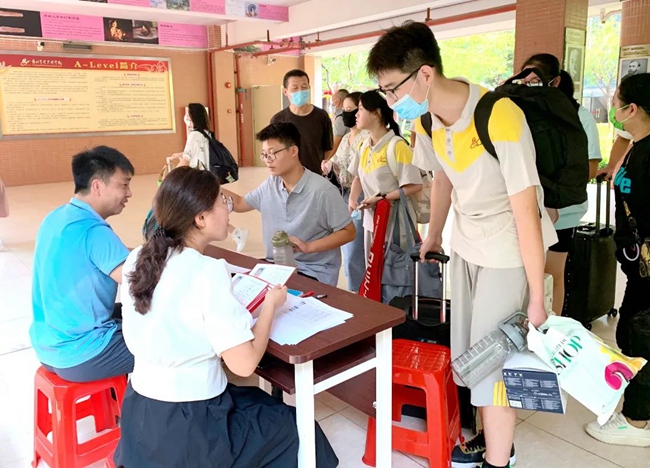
(574, 61)
(634, 60)
(79, 95)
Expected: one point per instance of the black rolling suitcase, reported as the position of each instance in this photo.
(427, 321)
(590, 277)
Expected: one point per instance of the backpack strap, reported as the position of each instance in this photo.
(482, 115)
(391, 158)
(427, 122)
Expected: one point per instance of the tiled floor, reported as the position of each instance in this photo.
(542, 439)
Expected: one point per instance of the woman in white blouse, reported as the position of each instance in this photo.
(353, 252)
(180, 319)
(197, 154)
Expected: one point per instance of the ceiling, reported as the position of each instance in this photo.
(122, 11)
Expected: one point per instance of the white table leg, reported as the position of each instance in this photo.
(305, 414)
(265, 385)
(384, 396)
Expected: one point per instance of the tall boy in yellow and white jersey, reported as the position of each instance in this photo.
(501, 230)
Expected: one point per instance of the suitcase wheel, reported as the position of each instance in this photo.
(612, 313)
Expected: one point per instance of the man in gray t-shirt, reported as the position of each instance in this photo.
(303, 204)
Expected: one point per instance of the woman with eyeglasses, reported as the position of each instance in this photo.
(180, 320)
(353, 252)
(383, 165)
(630, 111)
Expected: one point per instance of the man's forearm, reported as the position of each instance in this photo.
(529, 230)
(334, 240)
(440, 203)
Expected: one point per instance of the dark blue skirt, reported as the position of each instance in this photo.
(243, 427)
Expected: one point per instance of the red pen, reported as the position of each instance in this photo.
(307, 294)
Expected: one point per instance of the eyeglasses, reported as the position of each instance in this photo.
(270, 155)
(390, 94)
(229, 202)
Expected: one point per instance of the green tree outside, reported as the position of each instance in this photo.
(488, 59)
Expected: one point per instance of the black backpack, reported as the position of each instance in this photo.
(222, 164)
(560, 140)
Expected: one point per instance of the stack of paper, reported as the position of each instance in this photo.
(300, 318)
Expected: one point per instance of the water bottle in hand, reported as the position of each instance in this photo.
(491, 352)
(282, 249)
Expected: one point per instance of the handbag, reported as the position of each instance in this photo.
(399, 269)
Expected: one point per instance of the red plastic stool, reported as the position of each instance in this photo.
(65, 451)
(422, 377)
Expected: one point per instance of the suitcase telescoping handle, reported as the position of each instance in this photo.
(442, 260)
(608, 198)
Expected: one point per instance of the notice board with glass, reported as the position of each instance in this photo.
(74, 95)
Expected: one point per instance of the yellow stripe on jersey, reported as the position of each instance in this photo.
(403, 155)
(465, 146)
(500, 397)
(506, 122)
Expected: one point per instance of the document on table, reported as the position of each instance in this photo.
(234, 269)
(273, 274)
(300, 318)
(250, 289)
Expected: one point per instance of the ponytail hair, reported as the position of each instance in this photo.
(372, 102)
(184, 194)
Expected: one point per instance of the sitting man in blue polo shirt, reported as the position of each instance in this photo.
(78, 259)
(303, 204)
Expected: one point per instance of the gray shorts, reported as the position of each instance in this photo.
(115, 359)
(482, 298)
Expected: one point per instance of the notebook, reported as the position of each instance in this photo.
(250, 289)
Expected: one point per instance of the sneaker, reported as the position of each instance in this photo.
(617, 431)
(240, 236)
(470, 454)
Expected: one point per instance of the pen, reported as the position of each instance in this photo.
(307, 294)
(321, 296)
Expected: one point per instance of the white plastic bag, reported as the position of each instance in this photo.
(588, 369)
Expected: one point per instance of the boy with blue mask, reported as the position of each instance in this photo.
(500, 229)
(314, 124)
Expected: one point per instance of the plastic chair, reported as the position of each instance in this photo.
(63, 397)
(422, 377)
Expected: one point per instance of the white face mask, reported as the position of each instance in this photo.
(187, 120)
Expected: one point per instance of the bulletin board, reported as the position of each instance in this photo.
(73, 95)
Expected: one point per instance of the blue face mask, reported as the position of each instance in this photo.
(300, 98)
(407, 108)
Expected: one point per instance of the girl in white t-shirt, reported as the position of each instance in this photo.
(180, 319)
(197, 154)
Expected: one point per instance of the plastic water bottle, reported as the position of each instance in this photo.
(491, 352)
(282, 249)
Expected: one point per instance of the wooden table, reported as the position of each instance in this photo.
(331, 357)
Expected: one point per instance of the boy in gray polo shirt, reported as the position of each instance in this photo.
(303, 204)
